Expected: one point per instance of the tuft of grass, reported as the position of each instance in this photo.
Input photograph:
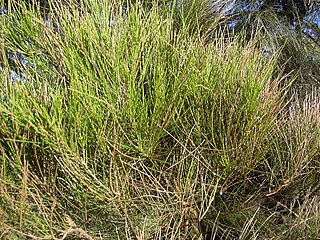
(132, 121)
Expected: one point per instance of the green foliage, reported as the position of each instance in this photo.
(141, 123)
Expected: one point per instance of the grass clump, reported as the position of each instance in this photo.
(129, 123)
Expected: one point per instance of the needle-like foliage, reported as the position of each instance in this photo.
(136, 120)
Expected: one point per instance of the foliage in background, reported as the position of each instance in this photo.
(290, 25)
(152, 122)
